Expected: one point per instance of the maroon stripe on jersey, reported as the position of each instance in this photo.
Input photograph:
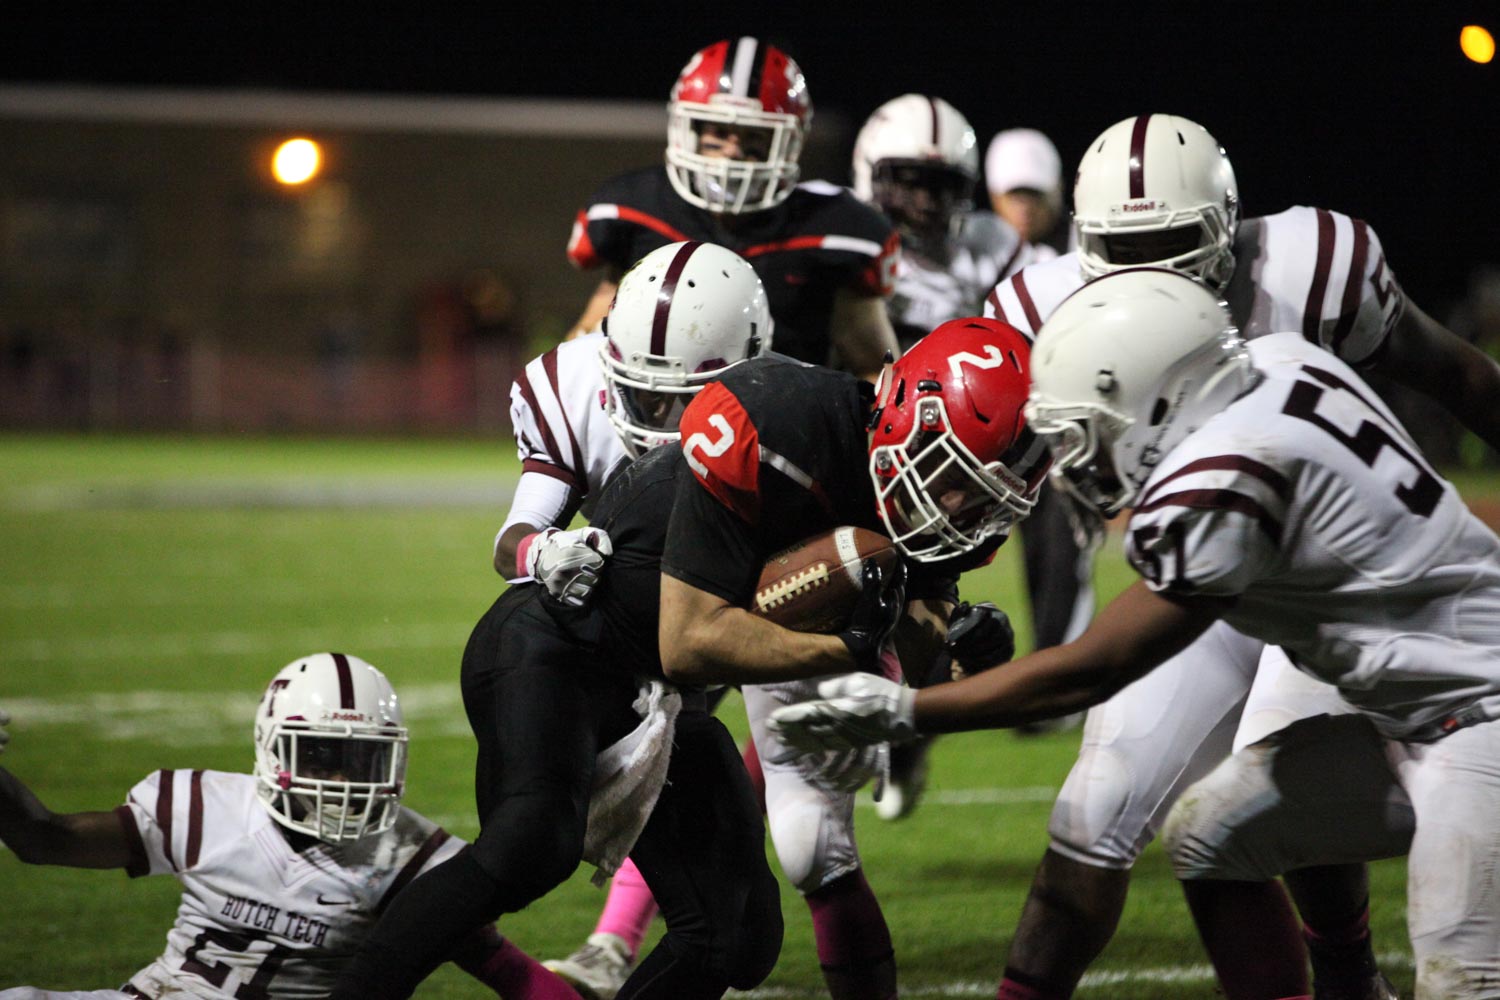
(529, 395)
(549, 365)
(553, 471)
(1011, 260)
(346, 680)
(137, 863)
(1312, 315)
(1353, 284)
(664, 296)
(195, 819)
(1138, 157)
(413, 868)
(164, 814)
(1027, 305)
(1231, 463)
(1219, 500)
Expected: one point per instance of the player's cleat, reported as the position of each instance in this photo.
(1372, 987)
(908, 779)
(598, 969)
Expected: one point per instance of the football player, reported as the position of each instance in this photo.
(1158, 189)
(916, 159)
(549, 684)
(283, 871)
(737, 118)
(581, 412)
(1271, 489)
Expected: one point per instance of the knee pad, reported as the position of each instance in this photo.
(813, 832)
(1099, 818)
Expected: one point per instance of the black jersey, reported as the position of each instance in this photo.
(819, 240)
(778, 452)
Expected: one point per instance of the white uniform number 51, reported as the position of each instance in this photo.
(709, 447)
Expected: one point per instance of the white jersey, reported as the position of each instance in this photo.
(928, 293)
(557, 410)
(1308, 270)
(258, 917)
(1308, 502)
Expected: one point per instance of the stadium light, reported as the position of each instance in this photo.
(1477, 43)
(296, 161)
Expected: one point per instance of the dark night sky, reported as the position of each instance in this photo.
(1367, 108)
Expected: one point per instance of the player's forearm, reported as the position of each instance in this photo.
(1046, 684)
(728, 645)
(506, 547)
(41, 837)
(25, 824)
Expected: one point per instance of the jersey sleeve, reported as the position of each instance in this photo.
(1212, 527)
(163, 817)
(711, 541)
(1011, 302)
(423, 845)
(1354, 300)
(545, 441)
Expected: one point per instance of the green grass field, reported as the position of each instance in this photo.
(149, 587)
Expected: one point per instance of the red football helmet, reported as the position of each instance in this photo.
(950, 454)
(754, 91)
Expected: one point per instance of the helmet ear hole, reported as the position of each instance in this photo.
(1158, 411)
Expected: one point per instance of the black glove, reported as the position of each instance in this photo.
(882, 598)
(979, 637)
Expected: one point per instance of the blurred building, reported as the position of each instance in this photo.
(155, 274)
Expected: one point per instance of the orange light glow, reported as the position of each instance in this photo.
(1477, 43)
(296, 161)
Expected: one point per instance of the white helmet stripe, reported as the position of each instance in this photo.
(744, 75)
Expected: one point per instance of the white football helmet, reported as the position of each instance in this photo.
(1157, 190)
(1128, 366)
(917, 160)
(683, 314)
(330, 748)
(749, 87)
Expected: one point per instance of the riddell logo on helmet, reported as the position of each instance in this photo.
(1141, 206)
(346, 717)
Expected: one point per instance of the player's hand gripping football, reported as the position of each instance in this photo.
(854, 710)
(567, 563)
(882, 599)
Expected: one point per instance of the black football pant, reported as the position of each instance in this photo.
(542, 700)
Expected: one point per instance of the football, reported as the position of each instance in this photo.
(813, 585)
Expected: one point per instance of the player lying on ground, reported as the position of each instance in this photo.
(1273, 491)
(283, 871)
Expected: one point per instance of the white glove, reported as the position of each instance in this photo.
(847, 770)
(854, 710)
(4, 736)
(567, 563)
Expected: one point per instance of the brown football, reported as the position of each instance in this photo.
(813, 585)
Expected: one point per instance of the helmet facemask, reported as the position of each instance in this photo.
(936, 498)
(926, 201)
(335, 787)
(646, 396)
(722, 184)
(1197, 242)
(330, 749)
